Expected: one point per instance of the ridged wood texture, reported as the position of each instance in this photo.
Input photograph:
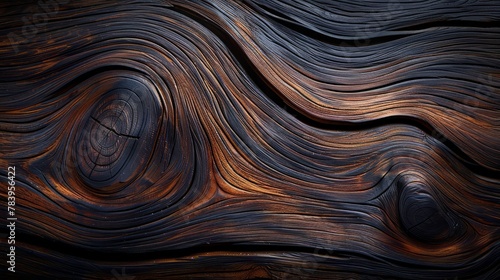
(252, 139)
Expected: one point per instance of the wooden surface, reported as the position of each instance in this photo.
(252, 139)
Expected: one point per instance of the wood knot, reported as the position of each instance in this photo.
(421, 215)
(113, 145)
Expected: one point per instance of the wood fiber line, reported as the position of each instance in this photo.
(252, 139)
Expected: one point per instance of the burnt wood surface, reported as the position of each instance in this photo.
(251, 139)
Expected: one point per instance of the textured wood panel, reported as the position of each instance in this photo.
(252, 139)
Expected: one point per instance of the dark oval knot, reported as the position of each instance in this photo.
(422, 216)
(114, 143)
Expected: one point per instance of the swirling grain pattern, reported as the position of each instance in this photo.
(252, 139)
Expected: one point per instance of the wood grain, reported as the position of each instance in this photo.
(252, 139)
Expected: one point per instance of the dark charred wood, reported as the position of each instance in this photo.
(251, 139)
